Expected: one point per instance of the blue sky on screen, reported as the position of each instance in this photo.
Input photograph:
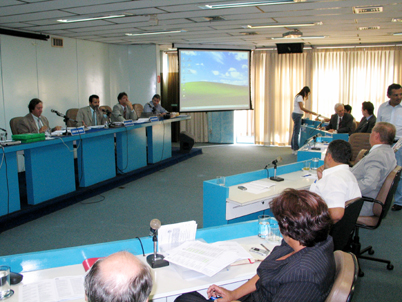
(229, 67)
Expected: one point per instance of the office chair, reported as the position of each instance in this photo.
(13, 124)
(345, 277)
(380, 209)
(138, 109)
(72, 114)
(359, 141)
(342, 231)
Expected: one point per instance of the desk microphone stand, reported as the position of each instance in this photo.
(275, 178)
(156, 260)
(315, 148)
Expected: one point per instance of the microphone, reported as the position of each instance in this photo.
(277, 160)
(106, 111)
(156, 260)
(3, 129)
(58, 113)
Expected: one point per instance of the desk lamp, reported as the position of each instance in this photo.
(275, 162)
(156, 260)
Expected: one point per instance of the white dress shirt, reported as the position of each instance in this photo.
(390, 114)
(337, 186)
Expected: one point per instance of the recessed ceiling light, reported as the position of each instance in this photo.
(367, 9)
(89, 18)
(283, 25)
(157, 33)
(245, 4)
(396, 20)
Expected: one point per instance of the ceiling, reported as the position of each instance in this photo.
(339, 23)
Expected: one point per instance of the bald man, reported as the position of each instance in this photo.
(119, 277)
(340, 122)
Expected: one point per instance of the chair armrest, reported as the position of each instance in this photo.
(369, 199)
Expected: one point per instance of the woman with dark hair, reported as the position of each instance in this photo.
(297, 114)
(302, 268)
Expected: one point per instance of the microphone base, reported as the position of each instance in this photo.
(315, 148)
(276, 178)
(158, 262)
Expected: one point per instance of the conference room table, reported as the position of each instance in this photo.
(49, 164)
(168, 282)
(230, 203)
(307, 131)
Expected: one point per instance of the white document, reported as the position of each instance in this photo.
(233, 247)
(142, 120)
(53, 290)
(258, 186)
(177, 232)
(201, 257)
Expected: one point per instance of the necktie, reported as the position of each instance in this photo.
(125, 111)
(340, 122)
(93, 118)
(39, 124)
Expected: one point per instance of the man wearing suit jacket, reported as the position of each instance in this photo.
(91, 115)
(340, 122)
(34, 121)
(368, 121)
(124, 110)
(372, 170)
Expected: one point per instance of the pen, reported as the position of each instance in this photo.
(265, 247)
(306, 175)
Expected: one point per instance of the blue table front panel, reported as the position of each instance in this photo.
(9, 190)
(131, 150)
(159, 142)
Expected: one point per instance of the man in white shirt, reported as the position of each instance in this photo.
(336, 184)
(372, 170)
(391, 112)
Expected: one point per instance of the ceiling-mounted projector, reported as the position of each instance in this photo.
(293, 34)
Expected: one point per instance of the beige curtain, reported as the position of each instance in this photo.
(278, 78)
(198, 124)
(348, 76)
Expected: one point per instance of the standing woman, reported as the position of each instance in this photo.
(297, 114)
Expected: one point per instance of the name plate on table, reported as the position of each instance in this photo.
(128, 123)
(77, 131)
(153, 119)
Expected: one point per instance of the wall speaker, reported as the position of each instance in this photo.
(289, 48)
(186, 142)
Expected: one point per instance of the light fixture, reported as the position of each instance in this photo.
(303, 37)
(89, 18)
(368, 27)
(157, 33)
(367, 9)
(283, 25)
(397, 34)
(245, 4)
(396, 20)
(156, 260)
(294, 34)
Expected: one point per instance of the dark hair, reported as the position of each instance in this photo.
(392, 87)
(94, 96)
(304, 92)
(302, 215)
(137, 289)
(369, 107)
(120, 96)
(156, 96)
(32, 104)
(348, 108)
(387, 132)
(340, 150)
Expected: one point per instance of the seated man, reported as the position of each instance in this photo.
(372, 170)
(154, 106)
(34, 121)
(336, 184)
(124, 110)
(340, 122)
(119, 277)
(91, 115)
(368, 121)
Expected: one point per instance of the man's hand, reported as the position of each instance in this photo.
(57, 128)
(331, 130)
(129, 105)
(319, 171)
(43, 129)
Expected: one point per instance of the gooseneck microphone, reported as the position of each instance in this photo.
(156, 260)
(58, 113)
(275, 162)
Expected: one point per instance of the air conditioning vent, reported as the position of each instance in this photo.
(367, 9)
(214, 18)
(368, 27)
(57, 42)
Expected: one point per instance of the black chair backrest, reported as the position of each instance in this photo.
(342, 230)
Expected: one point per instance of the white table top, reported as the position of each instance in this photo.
(293, 180)
(167, 281)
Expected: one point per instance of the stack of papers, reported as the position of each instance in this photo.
(258, 186)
